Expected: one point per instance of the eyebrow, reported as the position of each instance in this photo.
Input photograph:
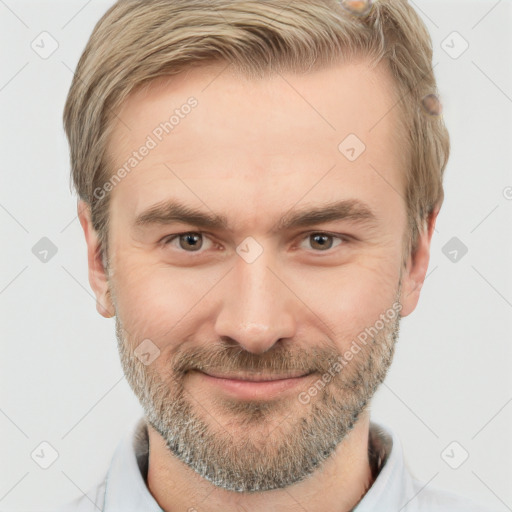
(172, 211)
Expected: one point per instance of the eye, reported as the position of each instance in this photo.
(191, 241)
(323, 241)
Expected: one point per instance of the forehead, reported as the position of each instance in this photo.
(272, 136)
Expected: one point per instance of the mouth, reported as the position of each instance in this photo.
(256, 376)
(254, 386)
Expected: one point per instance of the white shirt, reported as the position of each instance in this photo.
(123, 489)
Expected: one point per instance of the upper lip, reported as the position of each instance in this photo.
(256, 376)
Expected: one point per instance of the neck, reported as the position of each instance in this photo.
(338, 485)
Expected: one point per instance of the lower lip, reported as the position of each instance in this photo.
(252, 390)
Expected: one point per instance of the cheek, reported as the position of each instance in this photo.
(350, 298)
(154, 301)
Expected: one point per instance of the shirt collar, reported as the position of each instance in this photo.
(126, 487)
(394, 481)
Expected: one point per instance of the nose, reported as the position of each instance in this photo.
(257, 306)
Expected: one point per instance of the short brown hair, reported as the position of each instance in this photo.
(137, 41)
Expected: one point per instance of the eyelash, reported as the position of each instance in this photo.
(343, 239)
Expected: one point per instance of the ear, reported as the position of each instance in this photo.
(97, 272)
(416, 267)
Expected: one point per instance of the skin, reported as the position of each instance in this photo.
(253, 150)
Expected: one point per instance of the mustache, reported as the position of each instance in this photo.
(236, 359)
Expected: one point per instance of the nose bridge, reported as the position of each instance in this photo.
(256, 306)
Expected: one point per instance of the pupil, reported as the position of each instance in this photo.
(190, 240)
(321, 244)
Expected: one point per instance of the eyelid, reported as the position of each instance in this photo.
(324, 232)
(168, 239)
(343, 238)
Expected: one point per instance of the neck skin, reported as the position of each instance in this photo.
(338, 485)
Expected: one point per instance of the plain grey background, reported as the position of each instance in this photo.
(61, 380)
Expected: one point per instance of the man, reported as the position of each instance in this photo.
(258, 186)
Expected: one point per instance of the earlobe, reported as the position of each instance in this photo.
(97, 272)
(416, 267)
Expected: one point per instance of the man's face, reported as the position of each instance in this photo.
(258, 297)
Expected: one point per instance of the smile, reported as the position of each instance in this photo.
(254, 386)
